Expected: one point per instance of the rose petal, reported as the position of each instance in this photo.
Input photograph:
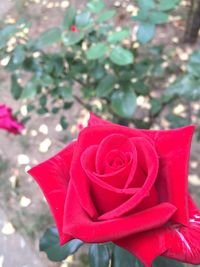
(177, 242)
(94, 120)
(93, 136)
(111, 181)
(150, 162)
(173, 147)
(111, 142)
(78, 223)
(53, 178)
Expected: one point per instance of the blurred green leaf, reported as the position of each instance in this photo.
(141, 88)
(19, 54)
(99, 255)
(168, 5)
(83, 19)
(96, 51)
(55, 110)
(96, 5)
(158, 17)
(121, 56)
(186, 86)
(42, 111)
(69, 18)
(8, 31)
(156, 106)
(43, 100)
(49, 243)
(65, 92)
(106, 16)
(118, 36)
(106, 86)
(72, 38)
(122, 257)
(49, 37)
(123, 103)
(16, 89)
(63, 122)
(145, 33)
(193, 66)
(146, 5)
(164, 262)
(29, 91)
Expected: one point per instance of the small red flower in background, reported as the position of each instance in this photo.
(80, 126)
(8, 122)
(74, 28)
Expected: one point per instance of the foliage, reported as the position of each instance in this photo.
(100, 255)
(87, 58)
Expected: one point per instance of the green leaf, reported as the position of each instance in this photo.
(8, 31)
(122, 257)
(16, 89)
(145, 33)
(42, 111)
(18, 55)
(96, 5)
(164, 262)
(63, 122)
(106, 86)
(49, 243)
(96, 51)
(141, 88)
(193, 66)
(66, 92)
(118, 36)
(146, 5)
(69, 18)
(156, 106)
(156, 17)
(106, 16)
(83, 19)
(49, 37)
(43, 100)
(142, 16)
(99, 255)
(72, 38)
(123, 103)
(121, 56)
(168, 5)
(29, 91)
(186, 86)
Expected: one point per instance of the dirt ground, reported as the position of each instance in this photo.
(23, 211)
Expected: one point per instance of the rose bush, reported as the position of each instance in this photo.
(7, 120)
(125, 185)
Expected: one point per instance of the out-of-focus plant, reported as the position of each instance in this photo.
(91, 60)
(150, 14)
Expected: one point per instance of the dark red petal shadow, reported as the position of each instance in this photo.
(80, 225)
(53, 178)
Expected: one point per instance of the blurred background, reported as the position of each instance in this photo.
(136, 63)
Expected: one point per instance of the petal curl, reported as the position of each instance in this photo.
(53, 178)
(79, 224)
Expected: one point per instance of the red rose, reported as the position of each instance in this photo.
(74, 28)
(125, 185)
(8, 122)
